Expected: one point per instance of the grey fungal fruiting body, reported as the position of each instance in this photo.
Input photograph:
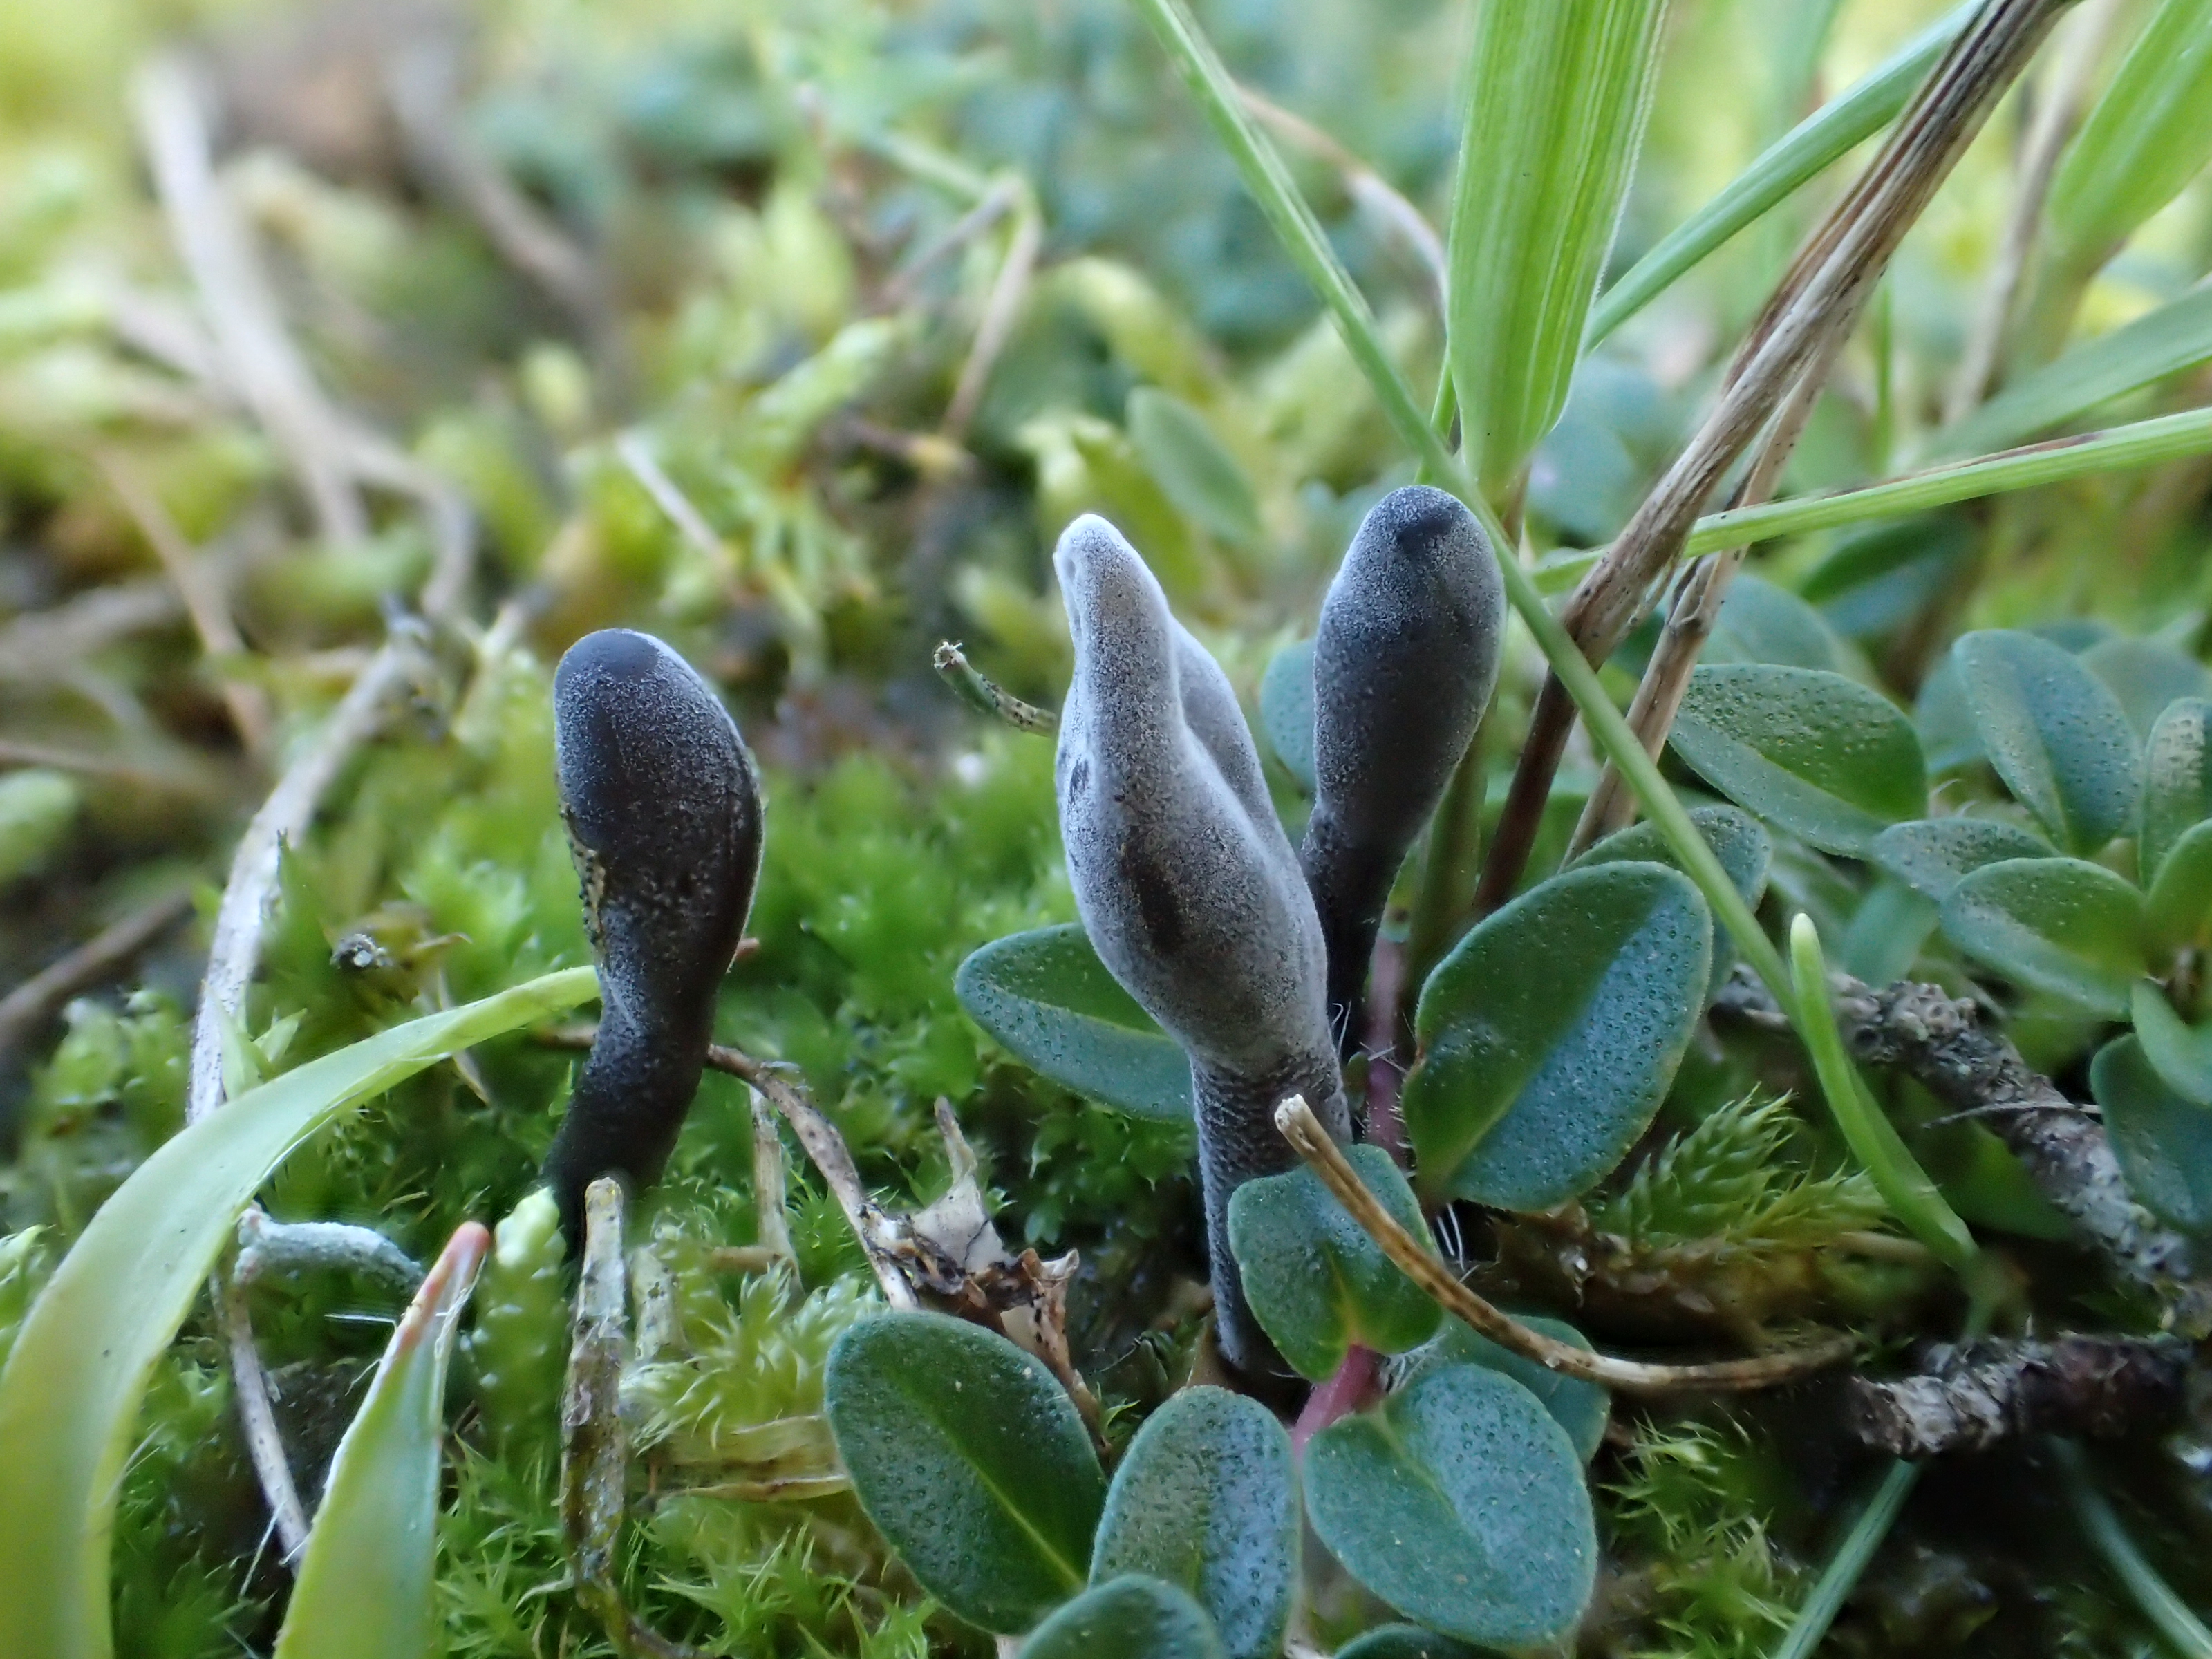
(664, 815)
(1404, 663)
(1187, 885)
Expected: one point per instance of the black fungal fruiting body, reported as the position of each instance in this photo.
(1404, 662)
(664, 815)
(1187, 885)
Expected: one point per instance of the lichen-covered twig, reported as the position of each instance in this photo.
(266, 1246)
(985, 696)
(1939, 1041)
(1326, 1159)
(1971, 1398)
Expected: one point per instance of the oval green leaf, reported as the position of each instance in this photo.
(365, 1588)
(1579, 1407)
(2147, 677)
(1132, 1618)
(1206, 1500)
(1820, 755)
(1461, 1503)
(1551, 1032)
(2064, 925)
(1929, 855)
(69, 1397)
(1739, 841)
(1193, 470)
(1316, 1282)
(2180, 903)
(1761, 623)
(1406, 1642)
(1045, 998)
(970, 1460)
(2055, 732)
(2179, 1052)
(2177, 793)
(1944, 721)
(2164, 1143)
(1286, 710)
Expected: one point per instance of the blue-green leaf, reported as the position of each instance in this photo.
(1406, 1642)
(1823, 757)
(2176, 792)
(1132, 1618)
(1461, 1503)
(2179, 902)
(1579, 1407)
(2163, 1142)
(1551, 1032)
(2055, 732)
(2147, 677)
(1944, 721)
(70, 1393)
(364, 1588)
(1316, 1282)
(1286, 710)
(1739, 841)
(1206, 1500)
(2064, 925)
(969, 1458)
(2180, 1053)
(1047, 998)
(1193, 470)
(1929, 855)
(1761, 623)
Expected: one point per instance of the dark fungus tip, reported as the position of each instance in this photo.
(664, 814)
(1404, 661)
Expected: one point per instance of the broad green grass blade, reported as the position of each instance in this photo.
(2148, 135)
(2177, 336)
(1862, 110)
(2141, 443)
(69, 1397)
(364, 1589)
(1557, 97)
(1294, 224)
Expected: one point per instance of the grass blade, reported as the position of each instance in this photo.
(1874, 1140)
(1557, 95)
(1849, 1560)
(1294, 224)
(1277, 197)
(2148, 135)
(364, 1589)
(68, 1397)
(2151, 1593)
(2177, 336)
(2141, 443)
(1802, 154)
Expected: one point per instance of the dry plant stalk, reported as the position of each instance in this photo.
(1326, 1160)
(1817, 298)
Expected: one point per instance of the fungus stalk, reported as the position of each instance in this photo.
(664, 815)
(1187, 886)
(1404, 663)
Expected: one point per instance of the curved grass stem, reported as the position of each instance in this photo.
(1849, 1560)
(2150, 1592)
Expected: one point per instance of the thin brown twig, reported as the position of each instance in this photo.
(825, 1148)
(205, 602)
(1840, 263)
(1369, 189)
(1696, 611)
(49, 644)
(1295, 1119)
(1002, 309)
(170, 780)
(999, 200)
(37, 999)
(258, 357)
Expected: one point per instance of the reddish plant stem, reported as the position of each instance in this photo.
(1357, 1385)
